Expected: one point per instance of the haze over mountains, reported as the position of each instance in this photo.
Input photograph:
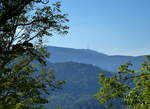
(107, 62)
(80, 69)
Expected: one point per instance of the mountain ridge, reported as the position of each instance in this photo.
(104, 61)
(92, 50)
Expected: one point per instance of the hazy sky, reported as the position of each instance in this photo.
(109, 26)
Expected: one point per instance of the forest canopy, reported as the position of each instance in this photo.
(23, 26)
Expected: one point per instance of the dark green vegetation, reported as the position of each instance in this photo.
(80, 87)
(131, 87)
(23, 25)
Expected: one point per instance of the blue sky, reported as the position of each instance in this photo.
(114, 27)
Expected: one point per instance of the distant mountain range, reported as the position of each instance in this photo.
(107, 62)
(80, 69)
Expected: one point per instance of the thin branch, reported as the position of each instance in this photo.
(133, 77)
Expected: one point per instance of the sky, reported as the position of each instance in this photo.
(113, 27)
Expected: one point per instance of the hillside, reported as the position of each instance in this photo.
(81, 85)
(110, 63)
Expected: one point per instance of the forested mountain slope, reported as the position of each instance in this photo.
(81, 85)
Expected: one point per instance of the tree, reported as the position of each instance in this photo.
(23, 26)
(129, 86)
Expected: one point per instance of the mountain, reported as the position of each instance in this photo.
(110, 63)
(84, 77)
(81, 85)
(80, 69)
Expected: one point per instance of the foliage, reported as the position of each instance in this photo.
(81, 83)
(129, 86)
(23, 26)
